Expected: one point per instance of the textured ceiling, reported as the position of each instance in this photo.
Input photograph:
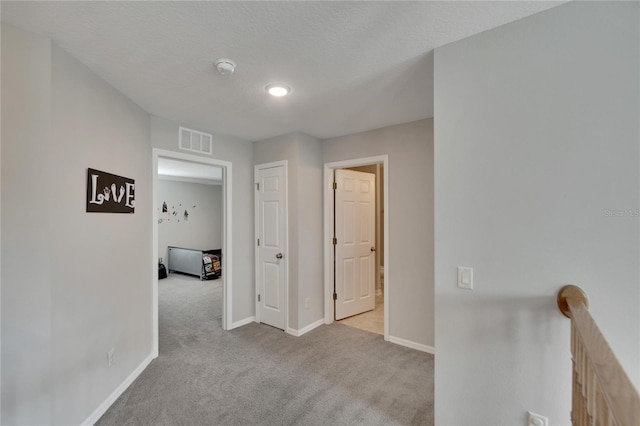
(353, 66)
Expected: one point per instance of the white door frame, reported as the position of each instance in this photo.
(226, 235)
(256, 228)
(328, 233)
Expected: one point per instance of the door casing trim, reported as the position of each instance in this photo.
(256, 228)
(227, 238)
(328, 232)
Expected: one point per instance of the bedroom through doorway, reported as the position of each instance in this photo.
(191, 208)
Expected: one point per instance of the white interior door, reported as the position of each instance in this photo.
(355, 246)
(271, 225)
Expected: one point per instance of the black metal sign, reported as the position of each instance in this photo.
(107, 193)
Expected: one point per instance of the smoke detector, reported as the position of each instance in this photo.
(225, 66)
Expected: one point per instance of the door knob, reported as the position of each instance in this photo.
(373, 249)
(279, 256)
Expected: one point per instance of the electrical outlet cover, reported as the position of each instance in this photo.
(537, 420)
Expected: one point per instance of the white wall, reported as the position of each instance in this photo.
(164, 135)
(303, 155)
(75, 284)
(536, 138)
(203, 228)
(26, 291)
(310, 211)
(410, 150)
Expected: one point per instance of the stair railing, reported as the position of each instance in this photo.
(602, 393)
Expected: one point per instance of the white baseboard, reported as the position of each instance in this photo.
(242, 322)
(95, 416)
(306, 329)
(412, 345)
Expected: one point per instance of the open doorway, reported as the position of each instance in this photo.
(191, 238)
(367, 233)
(364, 257)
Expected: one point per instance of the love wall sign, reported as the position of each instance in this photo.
(107, 193)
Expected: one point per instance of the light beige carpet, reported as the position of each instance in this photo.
(258, 375)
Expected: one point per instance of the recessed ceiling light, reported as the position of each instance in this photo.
(278, 89)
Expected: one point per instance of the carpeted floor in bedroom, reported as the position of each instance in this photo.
(257, 374)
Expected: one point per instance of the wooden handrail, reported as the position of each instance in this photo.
(602, 392)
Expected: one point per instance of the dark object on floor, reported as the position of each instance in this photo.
(211, 264)
(162, 271)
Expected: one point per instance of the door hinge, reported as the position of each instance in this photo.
(258, 298)
(335, 296)
(335, 241)
(258, 242)
(335, 185)
(257, 186)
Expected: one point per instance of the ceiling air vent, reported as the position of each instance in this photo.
(195, 141)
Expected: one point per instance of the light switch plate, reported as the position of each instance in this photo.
(465, 277)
